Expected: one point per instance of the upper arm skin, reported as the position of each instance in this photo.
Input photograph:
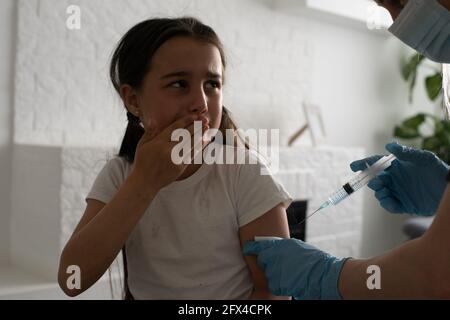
(92, 208)
(272, 223)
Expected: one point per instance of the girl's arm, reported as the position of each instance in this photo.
(102, 232)
(272, 223)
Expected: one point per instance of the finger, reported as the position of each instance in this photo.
(191, 144)
(195, 130)
(382, 180)
(152, 130)
(359, 165)
(150, 133)
(251, 248)
(148, 136)
(383, 193)
(398, 150)
(386, 178)
(181, 123)
(255, 247)
(275, 289)
(196, 149)
(195, 142)
(376, 184)
(392, 205)
(409, 154)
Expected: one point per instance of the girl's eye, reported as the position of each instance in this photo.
(213, 84)
(178, 84)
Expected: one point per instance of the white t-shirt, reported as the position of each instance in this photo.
(186, 245)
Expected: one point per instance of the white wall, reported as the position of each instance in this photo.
(8, 36)
(64, 92)
(277, 60)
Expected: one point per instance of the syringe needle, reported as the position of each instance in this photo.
(321, 207)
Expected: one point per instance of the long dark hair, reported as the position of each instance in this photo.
(130, 63)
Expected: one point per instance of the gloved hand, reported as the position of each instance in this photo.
(414, 183)
(295, 268)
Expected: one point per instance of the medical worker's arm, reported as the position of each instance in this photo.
(273, 223)
(416, 269)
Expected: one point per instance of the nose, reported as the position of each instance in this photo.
(199, 103)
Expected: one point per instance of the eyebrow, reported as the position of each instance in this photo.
(209, 74)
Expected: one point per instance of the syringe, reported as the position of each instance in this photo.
(356, 183)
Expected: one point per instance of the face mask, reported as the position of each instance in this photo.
(424, 25)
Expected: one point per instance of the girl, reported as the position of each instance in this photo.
(181, 226)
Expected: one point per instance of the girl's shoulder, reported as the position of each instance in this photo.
(239, 155)
(241, 159)
(247, 156)
(117, 168)
(109, 179)
(118, 163)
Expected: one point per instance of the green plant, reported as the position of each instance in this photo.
(433, 82)
(437, 142)
(438, 138)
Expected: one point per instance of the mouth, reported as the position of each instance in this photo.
(205, 122)
(206, 135)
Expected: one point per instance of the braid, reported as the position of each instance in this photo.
(132, 118)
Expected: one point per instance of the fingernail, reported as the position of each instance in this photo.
(203, 119)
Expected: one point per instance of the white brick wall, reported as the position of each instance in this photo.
(63, 93)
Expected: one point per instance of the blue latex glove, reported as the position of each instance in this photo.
(295, 268)
(414, 183)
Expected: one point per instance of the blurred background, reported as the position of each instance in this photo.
(60, 118)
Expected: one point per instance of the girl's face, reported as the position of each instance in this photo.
(185, 77)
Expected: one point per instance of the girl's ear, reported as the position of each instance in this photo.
(129, 98)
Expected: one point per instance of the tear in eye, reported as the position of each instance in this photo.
(178, 84)
(214, 84)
